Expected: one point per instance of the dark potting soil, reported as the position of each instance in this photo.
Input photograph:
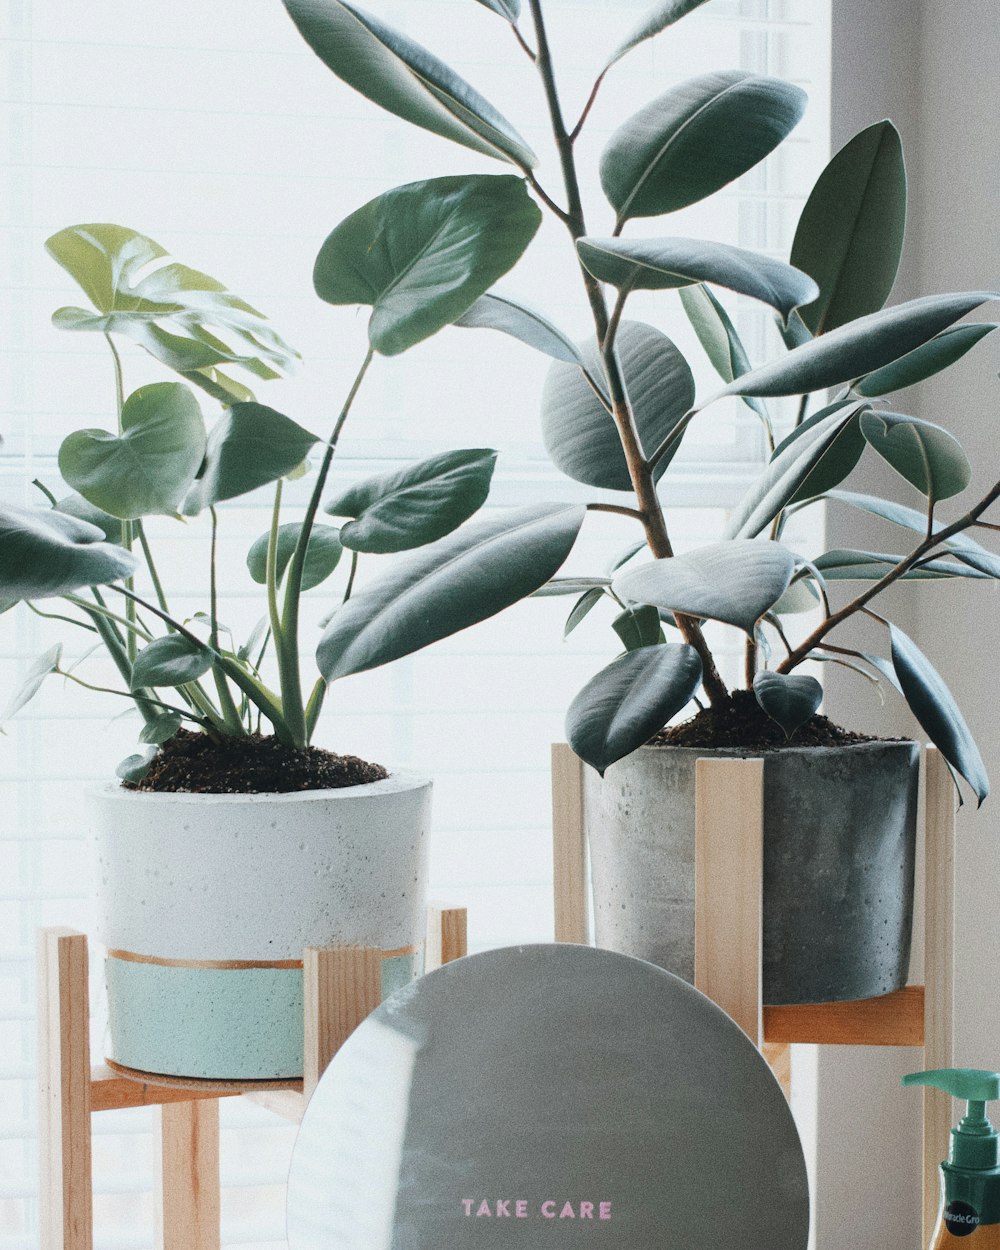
(741, 722)
(193, 763)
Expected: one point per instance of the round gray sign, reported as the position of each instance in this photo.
(548, 1098)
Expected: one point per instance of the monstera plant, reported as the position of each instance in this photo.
(616, 408)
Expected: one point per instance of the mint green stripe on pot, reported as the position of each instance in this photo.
(225, 1024)
(240, 1024)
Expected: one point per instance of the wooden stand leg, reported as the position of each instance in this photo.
(342, 987)
(939, 967)
(729, 845)
(569, 846)
(66, 1204)
(187, 1196)
(447, 936)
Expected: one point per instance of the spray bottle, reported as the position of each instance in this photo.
(970, 1179)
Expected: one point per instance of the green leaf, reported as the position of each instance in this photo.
(464, 578)
(638, 627)
(850, 233)
(421, 254)
(147, 469)
(865, 566)
(734, 582)
(928, 457)
(509, 9)
(498, 312)
(134, 767)
(665, 264)
(556, 587)
(161, 728)
(583, 606)
(627, 702)
(658, 18)
(44, 553)
(694, 139)
(403, 78)
(799, 597)
(38, 670)
(857, 348)
(75, 505)
(170, 661)
(787, 698)
(184, 318)
(835, 464)
(322, 554)
(718, 337)
(415, 505)
(579, 432)
(934, 707)
(793, 462)
(965, 549)
(249, 446)
(940, 353)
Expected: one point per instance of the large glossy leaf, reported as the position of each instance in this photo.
(579, 431)
(31, 683)
(662, 15)
(788, 698)
(76, 505)
(965, 548)
(872, 566)
(322, 555)
(415, 505)
(184, 318)
(940, 353)
(510, 9)
(717, 335)
(170, 661)
(850, 233)
(734, 582)
(404, 78)
(498, 312)
(45, 553)
(859, 347)
(627, 702)
(451, 584)
(791, 466)
(835, 464)
(638, 627)
(664, 264)
(926, 455)
(934, 707)
(419, 255)
(582, 608)
(694, 139)
(147, 469)
(249, 446)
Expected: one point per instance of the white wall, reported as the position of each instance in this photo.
(934, 75)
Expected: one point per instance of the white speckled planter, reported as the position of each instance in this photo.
(208, 900)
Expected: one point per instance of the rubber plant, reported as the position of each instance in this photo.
(616, 408)
(420, 255)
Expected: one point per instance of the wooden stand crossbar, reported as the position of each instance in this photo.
(341, 988)
(728, 944)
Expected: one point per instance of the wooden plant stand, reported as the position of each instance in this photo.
(342, 986)
(729, 801)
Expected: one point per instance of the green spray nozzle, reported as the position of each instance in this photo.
(974, 1141)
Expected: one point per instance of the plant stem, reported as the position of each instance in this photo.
(125, 694)
(575, 132)
(58, 616)
(231, 715)
(287, 646)
(750, 663)
(130, 643)
(926, 544)
(274, 615)
(618, 509)
(351, 576)
(640, 469)
(161, 598)
(528, 50)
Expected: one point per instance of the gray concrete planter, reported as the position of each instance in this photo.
(206, 902)
(839, 848)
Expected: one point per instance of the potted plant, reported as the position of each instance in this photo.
(231, 842)
(840, 810)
